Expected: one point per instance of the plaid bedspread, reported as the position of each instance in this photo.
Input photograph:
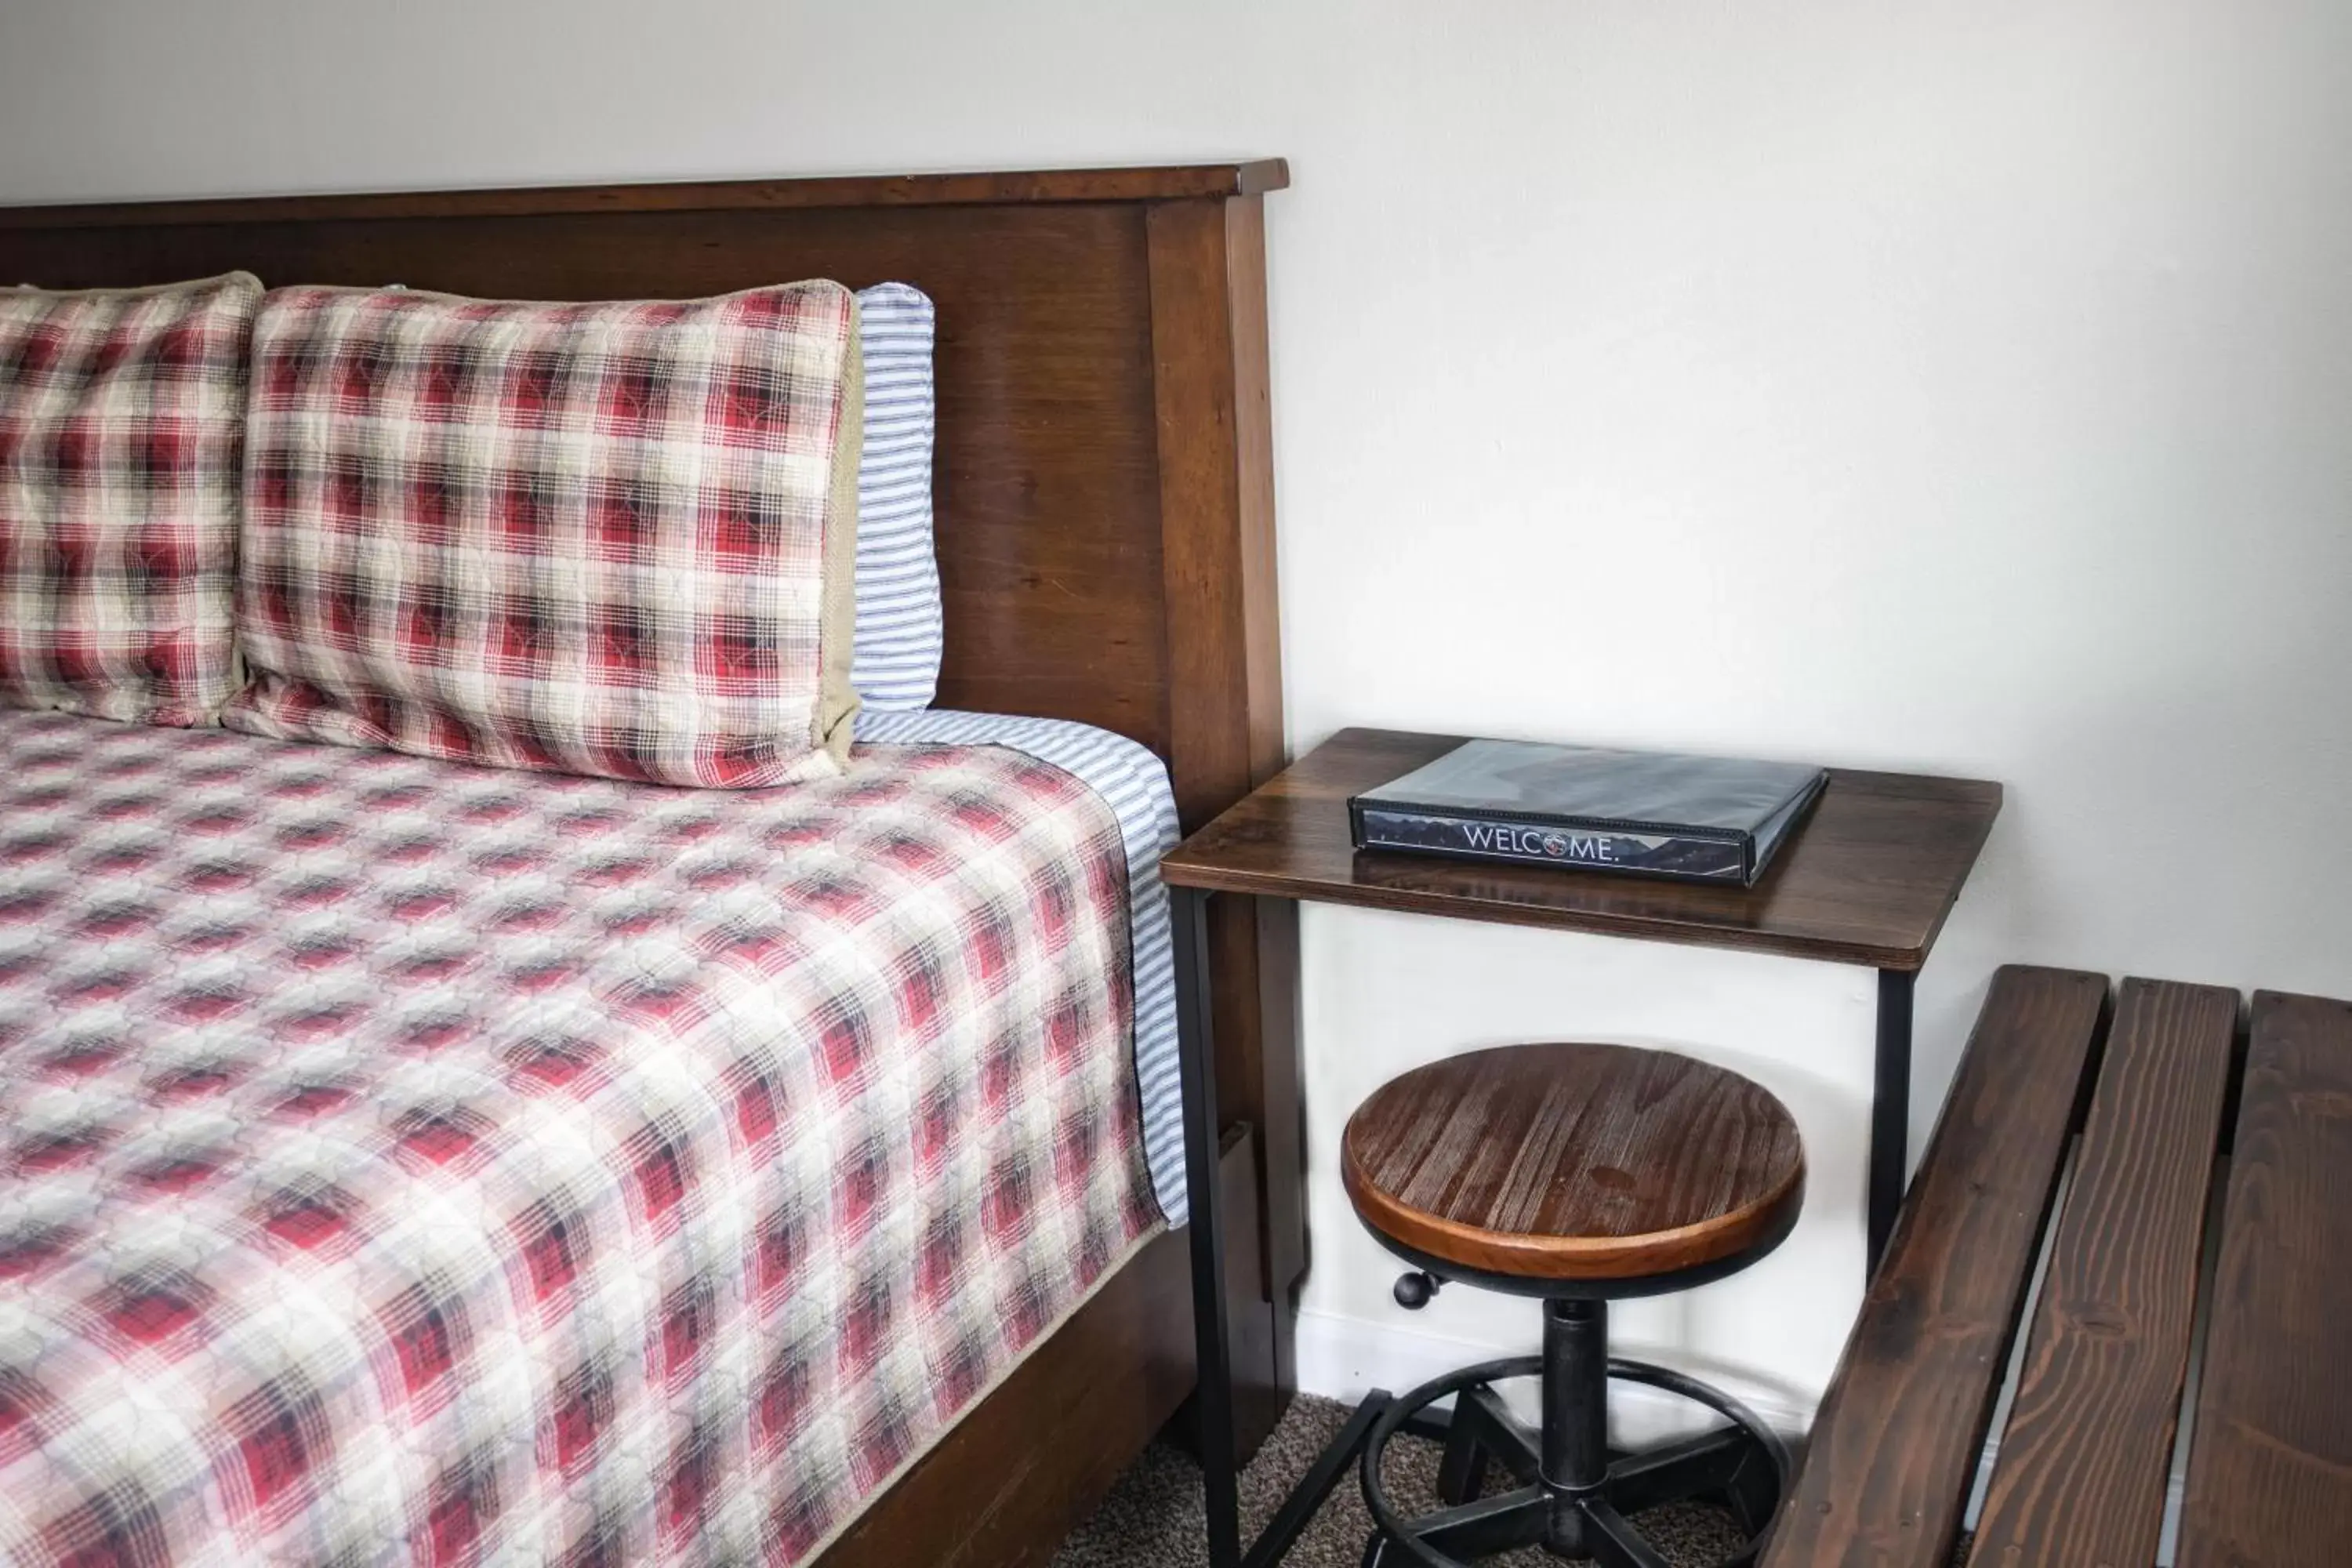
(406, 1162)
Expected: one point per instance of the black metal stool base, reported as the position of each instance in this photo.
(1573, 1494)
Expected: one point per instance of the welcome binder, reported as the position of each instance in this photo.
(1700, 819)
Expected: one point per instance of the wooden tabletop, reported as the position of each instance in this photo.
(1867, 879)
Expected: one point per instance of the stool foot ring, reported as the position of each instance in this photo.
(1743, 1465)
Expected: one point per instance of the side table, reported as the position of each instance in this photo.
(1868, 880)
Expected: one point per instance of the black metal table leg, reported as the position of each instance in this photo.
(1213, 1394)
(1890, 1114)
(1322, 1478)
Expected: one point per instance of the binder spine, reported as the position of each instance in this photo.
(1519, 841)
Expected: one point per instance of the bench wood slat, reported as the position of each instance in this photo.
(2269, 1462)
(1899, 1433)
(2088, 1446)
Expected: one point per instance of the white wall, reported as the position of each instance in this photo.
(1964, 387)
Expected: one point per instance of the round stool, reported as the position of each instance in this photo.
(1578, 1175)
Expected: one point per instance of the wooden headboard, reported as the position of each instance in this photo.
(1104, 487)
(1104, 479)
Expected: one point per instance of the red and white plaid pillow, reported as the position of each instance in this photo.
(121, 430)
(611, 539)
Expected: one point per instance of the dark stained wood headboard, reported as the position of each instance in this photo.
(1104, 491)
(1104, 481)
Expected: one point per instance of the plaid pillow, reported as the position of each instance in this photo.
(610, 538)
(121, 425)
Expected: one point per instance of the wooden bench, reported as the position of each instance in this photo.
(2164, 1091)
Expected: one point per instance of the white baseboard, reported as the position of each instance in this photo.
(1347, 1358)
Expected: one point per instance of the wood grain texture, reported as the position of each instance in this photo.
(1868, 878)
(2269, 1464)
(1082, 349)
(2088, 1447)
(1248, 177)
(1206, 260)
(1574, 1161)
(1894, 1444)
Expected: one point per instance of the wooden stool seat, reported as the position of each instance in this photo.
(1571, 1162)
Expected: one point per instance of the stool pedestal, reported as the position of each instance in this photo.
(1575, 1417)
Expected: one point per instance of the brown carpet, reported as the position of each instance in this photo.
(1153, 1517)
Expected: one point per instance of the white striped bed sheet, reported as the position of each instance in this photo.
(1133, 782)
(896, 664)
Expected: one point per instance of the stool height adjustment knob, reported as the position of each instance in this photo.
(1414, 1287)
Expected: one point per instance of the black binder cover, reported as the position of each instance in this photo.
(1704, 819)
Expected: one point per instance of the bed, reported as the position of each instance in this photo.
(966, 960)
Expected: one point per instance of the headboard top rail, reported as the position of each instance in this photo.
(1168, 182)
